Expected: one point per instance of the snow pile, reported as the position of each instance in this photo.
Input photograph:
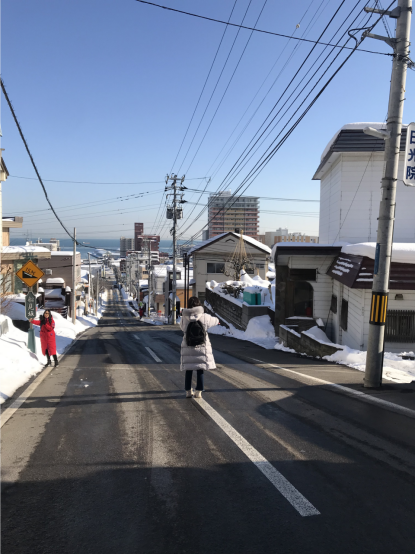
(403, 253)
(17, 363)
(394, 367)
(250, 284)
(259, 330)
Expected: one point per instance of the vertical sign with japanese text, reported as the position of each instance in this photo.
(409, 159)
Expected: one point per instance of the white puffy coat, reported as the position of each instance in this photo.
(197, 357)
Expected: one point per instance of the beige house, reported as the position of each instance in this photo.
(210, 259)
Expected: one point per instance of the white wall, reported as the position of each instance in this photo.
(322, 287)
(350, 200)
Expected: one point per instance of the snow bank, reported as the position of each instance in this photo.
(251, 284)
(18, 364)
(394, 367)
(403, 253)
(259, 331)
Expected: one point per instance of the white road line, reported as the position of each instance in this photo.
(354, 393)
(153, 354)
(137, 337)
(8, 412)
(286, 489)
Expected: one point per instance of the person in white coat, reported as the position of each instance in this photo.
(199, 358)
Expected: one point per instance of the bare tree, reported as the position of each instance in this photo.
(6, 289)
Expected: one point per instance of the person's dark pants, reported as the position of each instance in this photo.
(55, 358)
(199, 379)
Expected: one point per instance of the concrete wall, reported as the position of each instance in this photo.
(61, 265)
(350, 199)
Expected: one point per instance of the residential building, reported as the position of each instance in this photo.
(283, 235)
(59, 266)
(227, 213)
(141, 242)
(138, 231)
(52, 245)
(125, 244)
(332, 280)
(210, 259)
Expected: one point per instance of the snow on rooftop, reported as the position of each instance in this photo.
(62, 253)
(403, 253)
(305, 245)
(24, 249)
(246, 238)
(351, 126)
(55, 280)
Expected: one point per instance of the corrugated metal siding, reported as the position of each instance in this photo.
(355, 140)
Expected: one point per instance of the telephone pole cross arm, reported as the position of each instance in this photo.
(375, 349)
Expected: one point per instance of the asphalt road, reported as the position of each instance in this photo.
(107, 456)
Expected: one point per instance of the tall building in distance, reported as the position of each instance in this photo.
(139, 237)
(228, 213)
(125, 244)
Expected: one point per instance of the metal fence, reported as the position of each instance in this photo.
(400, 326)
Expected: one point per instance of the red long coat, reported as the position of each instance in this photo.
(47, 336)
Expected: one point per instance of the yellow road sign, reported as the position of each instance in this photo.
(30, 274)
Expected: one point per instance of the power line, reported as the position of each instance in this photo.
(253, 29)
(215, 87)
(103, 183)
(266, 160)
(244, 155)
(31, 158)
(203, 88)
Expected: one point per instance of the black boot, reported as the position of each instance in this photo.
(55, 360)
(48, 360)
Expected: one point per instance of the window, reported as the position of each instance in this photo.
(400, 326)
(334, 304)
(215, 268)
(344, 315)
(302, 274)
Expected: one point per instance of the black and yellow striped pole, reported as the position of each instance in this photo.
(378, 310)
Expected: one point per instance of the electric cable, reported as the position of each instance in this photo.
(272, 153)
(251, 28)
(215, 88)
(203, 88)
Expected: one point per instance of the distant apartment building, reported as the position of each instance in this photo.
(126, 244)
(53, 245)
(141, 242)
(138, 231)
(227, 213)
(283, 235)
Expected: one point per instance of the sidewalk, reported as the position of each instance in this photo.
(401, 394)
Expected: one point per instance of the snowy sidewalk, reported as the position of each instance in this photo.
(18, 364)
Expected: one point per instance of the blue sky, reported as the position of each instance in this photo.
(105, 90)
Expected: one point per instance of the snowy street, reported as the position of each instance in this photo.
(108, 456)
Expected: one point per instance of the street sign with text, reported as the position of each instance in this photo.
(30, 274)
(409, 157)
(30, 305)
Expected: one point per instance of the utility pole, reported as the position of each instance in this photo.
(375, 349)
(97, 292)
(74, 275)
(175, 213)
(89, 281)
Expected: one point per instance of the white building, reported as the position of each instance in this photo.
(333, 281)
(283, 235)
(210, 259)
(125, 244)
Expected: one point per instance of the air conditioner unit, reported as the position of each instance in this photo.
(48, 271)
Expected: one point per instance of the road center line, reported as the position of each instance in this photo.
(137, 337)
(286, 489)
(153, 354)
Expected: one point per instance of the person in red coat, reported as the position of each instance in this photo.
(47, 336)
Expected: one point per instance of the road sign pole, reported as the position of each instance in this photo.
(31, 341)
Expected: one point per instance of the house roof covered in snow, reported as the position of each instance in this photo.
(351, 138)
(18, 252)
(306, 249)
(246, 239)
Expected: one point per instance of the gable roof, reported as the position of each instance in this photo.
(249, 240)
(351, 138)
